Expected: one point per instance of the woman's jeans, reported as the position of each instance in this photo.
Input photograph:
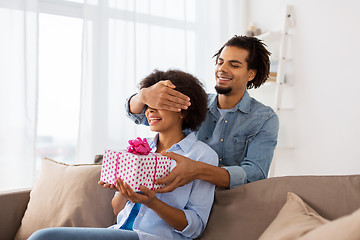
(76, 233)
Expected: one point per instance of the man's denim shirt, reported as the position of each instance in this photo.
(246, 141)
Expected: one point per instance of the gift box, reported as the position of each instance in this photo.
(134, 168)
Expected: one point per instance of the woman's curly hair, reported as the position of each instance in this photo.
(188, 85)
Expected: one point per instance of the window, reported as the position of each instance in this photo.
(59, 87)
(89, 56)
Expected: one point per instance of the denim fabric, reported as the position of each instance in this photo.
(74, 233)
(194, 199)
(244, 139)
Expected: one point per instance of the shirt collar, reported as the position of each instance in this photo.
(153, 142)
(243, 105)
(184, 144)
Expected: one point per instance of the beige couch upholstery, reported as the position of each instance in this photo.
(12, 208)
(240, 213)
(245, 212)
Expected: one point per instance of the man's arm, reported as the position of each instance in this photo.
(259, 153)
(159, 96)
(188, 170)
(255, 165)
(257, 161)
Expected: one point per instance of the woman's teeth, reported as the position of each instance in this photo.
(154, 119)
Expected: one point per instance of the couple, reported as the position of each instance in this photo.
(241, 132)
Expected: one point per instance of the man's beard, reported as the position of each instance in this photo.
(223, 90)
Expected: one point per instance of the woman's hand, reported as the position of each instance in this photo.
(119, 200)
(174, 217)
(107, 185)
(147, 197)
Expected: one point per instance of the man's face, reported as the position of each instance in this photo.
(231, 71)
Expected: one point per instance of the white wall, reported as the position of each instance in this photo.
(220, 21)
(326, 117)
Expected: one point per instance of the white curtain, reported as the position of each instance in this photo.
(122, 42)
(18, 93)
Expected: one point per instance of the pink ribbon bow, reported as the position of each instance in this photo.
(139, 146)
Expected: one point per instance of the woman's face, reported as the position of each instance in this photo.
(163, 120)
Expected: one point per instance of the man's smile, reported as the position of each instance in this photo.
(223, 78)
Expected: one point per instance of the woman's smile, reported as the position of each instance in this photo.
(153, 119)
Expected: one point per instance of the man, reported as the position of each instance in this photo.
(240, 129)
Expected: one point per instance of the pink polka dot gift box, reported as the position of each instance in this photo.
(136, 166)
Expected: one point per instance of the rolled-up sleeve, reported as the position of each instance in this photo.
(138, 118)
(237, 175)
(197, 210)
(193, 229)
(201, 198)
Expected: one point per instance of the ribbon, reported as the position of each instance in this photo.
(139, 146)
(155, 170)
(116, 167)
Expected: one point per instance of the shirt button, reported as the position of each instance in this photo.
(220, 159)
(221, 140)
(225, 121)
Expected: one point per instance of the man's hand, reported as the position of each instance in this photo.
(184, 173)
(163, 96)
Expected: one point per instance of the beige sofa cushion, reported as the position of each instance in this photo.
(67, 195)
(294, 220)
(344, 228)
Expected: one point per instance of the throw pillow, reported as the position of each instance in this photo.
(67, 196)
(344, 228)
(294, 220)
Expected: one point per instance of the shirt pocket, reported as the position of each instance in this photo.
(240, 146)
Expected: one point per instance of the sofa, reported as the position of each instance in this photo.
(290, 207)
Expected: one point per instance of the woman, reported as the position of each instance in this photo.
(181, 214)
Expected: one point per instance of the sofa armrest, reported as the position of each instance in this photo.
(12, 208)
